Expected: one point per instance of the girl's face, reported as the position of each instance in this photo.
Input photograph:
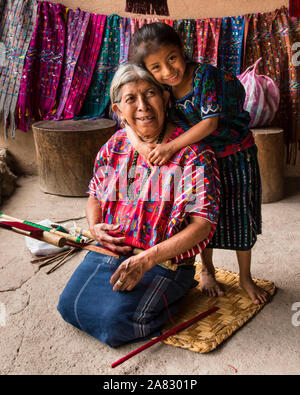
(167, 65)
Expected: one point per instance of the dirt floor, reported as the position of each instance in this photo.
(35, 340)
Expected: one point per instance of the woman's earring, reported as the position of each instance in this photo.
(123, 124)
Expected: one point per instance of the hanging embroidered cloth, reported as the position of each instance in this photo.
(97, 99)
(85, 66)
(82, 61)
(16, 30)
(159, 7)
(137, 23)
(124, 39)
(271, 36)
(2, 5)
(43, 64)
(230, 48)
(207, 34)
(77, 23)
(186, 29)
(294, 8)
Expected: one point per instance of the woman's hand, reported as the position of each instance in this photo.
(113, 243)
(130, 272)
(160, 154)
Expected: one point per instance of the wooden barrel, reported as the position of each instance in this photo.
(270, 144)
(66, 152)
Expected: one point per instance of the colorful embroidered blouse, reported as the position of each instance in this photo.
(215, 92)
(161, 206)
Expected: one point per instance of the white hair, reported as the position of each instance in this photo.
(130, 72)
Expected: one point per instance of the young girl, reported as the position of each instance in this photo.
(208, 104)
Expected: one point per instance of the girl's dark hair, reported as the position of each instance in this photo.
(150, 38)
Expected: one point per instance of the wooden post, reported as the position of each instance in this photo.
(270, 144)
(66, 151)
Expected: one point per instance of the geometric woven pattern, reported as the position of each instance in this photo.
(235, 309)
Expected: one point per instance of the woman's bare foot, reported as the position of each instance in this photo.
(258, 295)
(209, 284)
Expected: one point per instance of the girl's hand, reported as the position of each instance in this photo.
(140, 146)
(130, 272)
(144, 149)
(160, 154)
(113, 243)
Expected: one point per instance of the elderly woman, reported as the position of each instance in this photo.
(170, 213)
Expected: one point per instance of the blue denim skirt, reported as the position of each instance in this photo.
(118, 317)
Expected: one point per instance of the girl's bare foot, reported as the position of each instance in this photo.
(209, 284)
(258, 295)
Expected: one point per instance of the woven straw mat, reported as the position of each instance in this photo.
(235, 309)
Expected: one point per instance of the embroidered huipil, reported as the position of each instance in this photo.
(215, 92)
(187, 185)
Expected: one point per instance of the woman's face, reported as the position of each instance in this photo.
(167, 65)
(142, 105)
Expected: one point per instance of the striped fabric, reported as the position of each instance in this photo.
(16, 29)
(186, 28)
(85, 66)
(271, 36)
(42, 67)
(124, 39)
(75, 32)
(97, 98)
(240, 207)
(231, 44)
(208, 34)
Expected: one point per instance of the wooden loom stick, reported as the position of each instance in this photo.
(42, 227)
(38, 234)
(170, 332)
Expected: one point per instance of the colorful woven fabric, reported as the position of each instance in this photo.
(271, 36)
(43, 65)
(124, 39)
(294, 8)
(207, 36)
(75, 32)
(240, 219)
(137, 23)
(231, 44)
(97, 98)
(17, 26)
(186, 29)
(161, 206)
(85, 66)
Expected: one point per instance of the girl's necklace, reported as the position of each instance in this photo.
(135, 196)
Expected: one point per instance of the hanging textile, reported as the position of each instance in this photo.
(294, 8)
(159, 7)
(77, 23)
(207, 36)
(137, 23)
(97, 98)
(124, 39)
(17, 26)
(231, 44)
(271, 36)
(186, 29)
(42, 67)
(85, 66)
(2, 5)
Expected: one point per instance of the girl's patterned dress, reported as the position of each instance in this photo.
(218, 93)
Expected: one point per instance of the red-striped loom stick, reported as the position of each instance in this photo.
(170, 332)
(30, 231)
